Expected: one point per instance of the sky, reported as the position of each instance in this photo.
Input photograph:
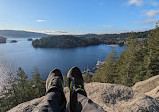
(79, 16)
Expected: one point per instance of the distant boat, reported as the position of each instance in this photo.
(30, 39)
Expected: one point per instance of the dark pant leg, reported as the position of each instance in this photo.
(84, 104)
(53, 102)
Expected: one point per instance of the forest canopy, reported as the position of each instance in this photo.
(70, 41)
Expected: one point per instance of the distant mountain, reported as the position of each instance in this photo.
(21, 34)
(86, 35)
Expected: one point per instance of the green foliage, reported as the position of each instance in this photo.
(139, 61)
(86, 77)
(106, 73)
(63, 41)
(69, 41)
(65, 80)
(153, 52)
(19, 89)
(38, 84)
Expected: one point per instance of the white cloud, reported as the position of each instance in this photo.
(152, 13)
(154, 3)
(143, 2)
(108, 26)
(145, 22)
(51, 32)
(41, 20)
(55, 32)
(135, 2)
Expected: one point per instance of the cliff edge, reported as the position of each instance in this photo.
(142, 97)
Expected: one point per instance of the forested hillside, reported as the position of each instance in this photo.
(19, 89)
(139, 61)
(69, 41)
(62, 41)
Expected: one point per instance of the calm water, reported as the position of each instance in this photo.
(22, 54)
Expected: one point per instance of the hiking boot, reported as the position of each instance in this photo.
(54, 100)
(54, 81)
(75, 80)
(76, 85)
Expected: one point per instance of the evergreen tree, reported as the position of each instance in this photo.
(19, 89)
(9, 95)
(86, 77)
(153, 53)
(38, 84)
(22, 85)
(107, 72)
(139, 61)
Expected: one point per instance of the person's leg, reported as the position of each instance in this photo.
(78, 97)
(54, 100)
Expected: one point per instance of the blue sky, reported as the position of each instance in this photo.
(79, 16)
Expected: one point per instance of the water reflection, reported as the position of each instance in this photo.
(22, 54)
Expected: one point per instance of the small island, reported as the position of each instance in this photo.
(30, 39)
(72, 41)
(3, 39)
(64, 41)
(13, 41)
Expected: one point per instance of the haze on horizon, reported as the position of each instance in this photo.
(78, 16)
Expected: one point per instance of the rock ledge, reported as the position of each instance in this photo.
(112, 97)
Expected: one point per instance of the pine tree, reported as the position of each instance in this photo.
(38, 84)
(129, 60)
(153, 53)
(19, 89)
(9, 95)
(86, 77)
(22, 84)
(107, 72)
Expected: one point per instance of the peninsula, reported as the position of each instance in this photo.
(72, 41)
